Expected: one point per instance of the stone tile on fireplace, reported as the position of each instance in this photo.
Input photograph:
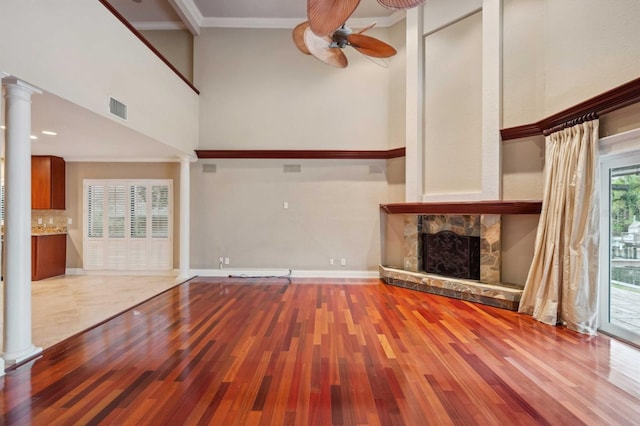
(501, 296)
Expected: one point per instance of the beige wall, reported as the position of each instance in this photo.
(176, 46)
(453, 108)
(76, 172)
(238, 212)
(559, 53)
(397, 86)
(259, 92)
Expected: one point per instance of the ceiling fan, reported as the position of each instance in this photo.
(325, 34)
(328, 49)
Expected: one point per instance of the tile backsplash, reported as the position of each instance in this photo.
(50, 221)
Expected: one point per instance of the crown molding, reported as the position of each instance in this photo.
(158, 26)
(190, 14)
(268, 23)
(290, 23)
(303, 154)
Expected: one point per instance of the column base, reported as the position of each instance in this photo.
(13, 358)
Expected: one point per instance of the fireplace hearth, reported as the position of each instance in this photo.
(450, 255)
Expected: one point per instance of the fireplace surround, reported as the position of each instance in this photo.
(473, 219)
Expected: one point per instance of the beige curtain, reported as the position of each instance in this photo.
(562, 283)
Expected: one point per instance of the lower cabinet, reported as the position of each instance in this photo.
(48, 256)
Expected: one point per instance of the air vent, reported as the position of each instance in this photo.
(117, 108)
(376, 169)
(292, 168)
(209, 168)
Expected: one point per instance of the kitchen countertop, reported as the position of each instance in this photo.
(47, 230)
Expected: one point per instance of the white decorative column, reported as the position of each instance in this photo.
(414, 157)
(185, 189)
(18, 345)
(491, 99)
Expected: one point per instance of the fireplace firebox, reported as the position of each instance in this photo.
(448, 254)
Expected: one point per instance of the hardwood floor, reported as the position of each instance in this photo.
(224, 351)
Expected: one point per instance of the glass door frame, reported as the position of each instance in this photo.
(607, 164)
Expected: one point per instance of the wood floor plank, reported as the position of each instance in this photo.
(233, 351)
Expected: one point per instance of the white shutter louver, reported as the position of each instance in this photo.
(116, 205)
(138, 228)
(160, 211)
(95, 211)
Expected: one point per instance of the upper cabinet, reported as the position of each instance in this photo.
(47, 182)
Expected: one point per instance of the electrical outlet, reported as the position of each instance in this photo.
(331, 261)
(69, 221)
(39, 221)
(285, 205)
(50, 221)
(226, 260)
(343, 261)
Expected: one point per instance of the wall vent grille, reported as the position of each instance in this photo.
(292, 168)
(117, 108)
(376, 169)
(209, 168)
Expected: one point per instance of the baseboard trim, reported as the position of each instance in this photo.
(302, 273)
(248, 273)
(80, 271)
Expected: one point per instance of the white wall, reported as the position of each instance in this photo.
(558, 53)
(259, 92)
(78, 50)
(453, 109)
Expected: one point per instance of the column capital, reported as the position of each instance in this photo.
(187, 158)
(13, 81)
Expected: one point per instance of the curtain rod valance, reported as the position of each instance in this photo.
(579, 120)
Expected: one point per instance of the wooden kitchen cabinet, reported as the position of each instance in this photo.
(48, 256)
(47, 182)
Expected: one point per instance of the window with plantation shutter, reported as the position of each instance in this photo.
(160, 211)
(116, 205)
(95, 211)
(138, 210)
(2, 203)
(128, 225)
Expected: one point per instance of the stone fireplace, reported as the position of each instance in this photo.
(483, 228)
(480, 220)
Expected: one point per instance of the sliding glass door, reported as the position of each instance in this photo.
(620, 247)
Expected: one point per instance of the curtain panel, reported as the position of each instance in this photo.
(561, 286)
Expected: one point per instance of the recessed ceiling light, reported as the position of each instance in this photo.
(34, 137)
(49, 132)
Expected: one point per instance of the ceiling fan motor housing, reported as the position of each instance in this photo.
(340, 37)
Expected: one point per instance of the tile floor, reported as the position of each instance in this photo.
(64, 306)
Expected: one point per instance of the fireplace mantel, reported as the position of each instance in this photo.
(465, 207)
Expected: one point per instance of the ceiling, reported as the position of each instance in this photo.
(197, 14)
(83, 135)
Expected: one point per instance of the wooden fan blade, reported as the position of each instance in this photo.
(298, 37)
(325, 16)
(371, 46)
(400, 4)
(367, 28)
(319, 48)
